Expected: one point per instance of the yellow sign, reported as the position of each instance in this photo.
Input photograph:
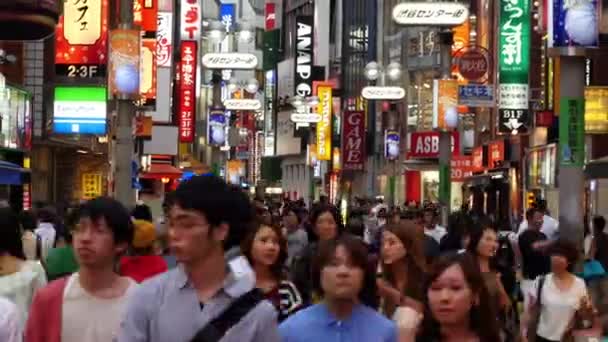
(82, 21)
(337, 162)
(596, 110)
(324, 126)
(91, 185)
(445, 98)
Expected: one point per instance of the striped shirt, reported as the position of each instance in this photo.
(286, 299)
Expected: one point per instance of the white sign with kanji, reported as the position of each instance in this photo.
(430, 13)
(190, 24)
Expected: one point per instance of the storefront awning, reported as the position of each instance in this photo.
(10, 174)
(160, 171)
(597, 169)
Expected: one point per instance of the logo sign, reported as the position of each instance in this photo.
(478, 159)
(187, 104)
(383, 93)
(144, 14)
(124, 63)
(80, 110)
(426, 144)
(324, 126)
(191, 20)
(353, 141)
(476, 95)
(304, 56)
(436, 13)
(306, 117)
(391, 144)
(227, 16)
(271, 16)
(164, 39)
(232, 61)
(217, 128)
(445, 99)
(514, 65)
(573, 23)
(462, 167)
(473, 64)
(572, 131)
(81, 39)
(147, 83)
(496, 154)
(242, 104)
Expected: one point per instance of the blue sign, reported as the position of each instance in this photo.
(391, 144)
(476, 95)
(216, 133)
(574, 23)
(227, 16)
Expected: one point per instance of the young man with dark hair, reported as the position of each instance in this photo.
(532, 244)
(206, 295)
(87, 306)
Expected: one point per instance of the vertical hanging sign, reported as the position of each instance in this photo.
(353, 141)
(324, 126)
(124, 63)
(187, 104)
(304, 55)
(144, 14)
(514, 65)
(164, 39)
(191, 20)
(81, 39)
(147, 85)
(572, 131)
(270, 16)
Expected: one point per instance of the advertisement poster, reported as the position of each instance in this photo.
(572, 131)
(187, 104)
(353, 141)
(217, 128)
(164, 39)
(147, 83)
(596, 110)
(573, 23)
(514, 65)
(144, 14)
(324, 126)
(445, 104)
(190, 20)
(124, 63)
(391, 144)
(461, 168)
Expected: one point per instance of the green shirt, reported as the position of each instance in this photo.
(60, 262)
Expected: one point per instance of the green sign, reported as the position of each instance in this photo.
(445, 191)
(572, 131)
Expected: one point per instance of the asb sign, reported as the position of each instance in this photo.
(426, 144)
(80, 110)
(304, 55)
(353, 141)
(431, 14)
(514, 65)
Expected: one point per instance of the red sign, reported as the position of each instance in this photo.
(187, 108)
(144, 14)
(271, 16)
(147, 84)
(462, 167)
(473, 64)
(426, 144)
(544, 119)
(496, 153)
(190, 20)
(478, 159)
(353, 140)
(81, 38)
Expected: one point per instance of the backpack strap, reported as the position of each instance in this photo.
(215, 330)
(38, 247)
(539, 291)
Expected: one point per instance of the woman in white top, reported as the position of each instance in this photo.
(562, 295)
(19, 279)
(10, 326)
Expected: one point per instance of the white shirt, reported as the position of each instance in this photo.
(86, 318)
(558, 307)
(550, 227)
(20, 287)
(10, 326)
(47, 234)
(436, 233)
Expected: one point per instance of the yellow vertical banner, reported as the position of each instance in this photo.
(91, 185)
(445, 98)
(324, 108)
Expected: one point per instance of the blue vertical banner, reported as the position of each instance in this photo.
(227, 16)
(216, 133)
(391, 144)
(573, 23)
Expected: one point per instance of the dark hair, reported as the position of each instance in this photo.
(277, 269)
(531, 211)
(322, 209)
(482, 316)
(46, 215)
(293, 209)
(359, 257)
(71, 220)
(415, 261)
(475, 236)
(28, 220)
(115, 214)
(10, 234)
(219, 203)
(142, 212)
(599, 223)
(566, 249)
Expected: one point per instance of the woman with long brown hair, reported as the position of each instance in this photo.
(403, 268)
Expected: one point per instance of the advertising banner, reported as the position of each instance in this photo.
(190, 24)
(324, 126)
(227, 16)
(80, 110)
(391, 144)
(353, 141)
(596, 110)
(476, 95)
(144, 14)
(477, 157)
(147, 83)
(445, 100)
(304, 55)
(461, 168)
(270, 16)
(216, 130)
(426, 144)
(187, 103)
(92, 185)
(573, 23)
(81, 39)
(572, 131)
(496, 154)
(164, 39)
(124, 63)
(514, 65)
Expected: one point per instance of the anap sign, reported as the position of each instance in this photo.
(433, 13)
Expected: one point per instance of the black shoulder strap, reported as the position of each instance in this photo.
(215, 330)
(539, 291)
(38, 247)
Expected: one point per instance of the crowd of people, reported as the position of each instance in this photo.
(218, 266)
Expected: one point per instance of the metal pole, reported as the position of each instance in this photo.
(123, 156)
(446, 39)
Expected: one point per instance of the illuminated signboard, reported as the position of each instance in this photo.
(324, 126)
(187, 108)
(80, 110)
(81, 39)
(164, 39)
(144, 14)
(147, 83)
(190, 20)
(124, 63)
